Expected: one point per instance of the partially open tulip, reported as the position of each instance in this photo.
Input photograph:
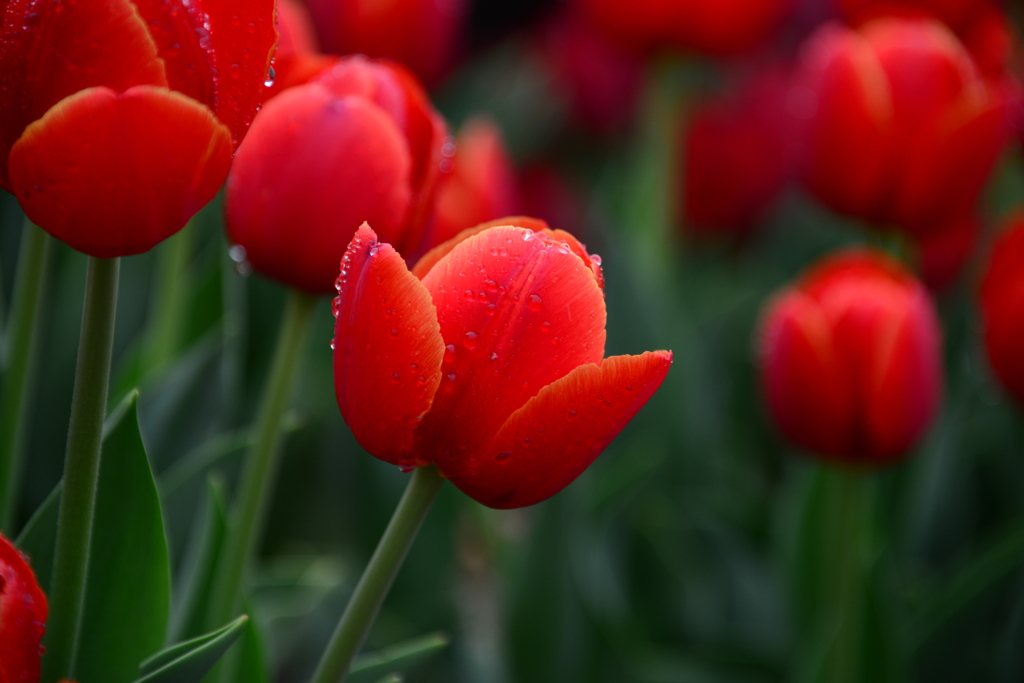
(477, 183)
(22, 618)
(710, 26)
(735, 157)
(422, 34)
(118, 119)
(358, 143)
(487, 360)
(903, 130)
(850, 359)
(1002, 307)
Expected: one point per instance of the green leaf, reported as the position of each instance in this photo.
(188, 662)
(252, 660)
(391, 678)
(399, 656)
(39, 538)
(127, 599)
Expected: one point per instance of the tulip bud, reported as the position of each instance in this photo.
(22, 617)
(359, 142)
(850, 359)
(1002, 307)
(903, 131)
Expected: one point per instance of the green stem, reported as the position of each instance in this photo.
(18, 364)
(376, 580)
(261, 461)
(167, 302)
(81, 469)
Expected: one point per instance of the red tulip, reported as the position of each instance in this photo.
(478, 181)
(1002, 307)
(422, 34)
(850, 359)
(903, 130)
(487, 360)
(710, 26)
(119, 118)
(22, 618)
(298, 58)
(735, 157)
(358, 143)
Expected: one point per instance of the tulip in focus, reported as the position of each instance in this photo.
(22, 618)
(903, 131)
(477, 183)
(487, 360)
(360, 142)
(736, 157)
(850, 359)
(717, 27)
(118, 119)
(1002, 308)
(422, 34)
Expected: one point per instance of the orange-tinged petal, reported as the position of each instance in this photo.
(112, 174)
(387, 348)
(517, 312)
(430, 259)
(548, 442)
(47, 54)
(312, 169)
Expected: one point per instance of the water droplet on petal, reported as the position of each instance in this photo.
(449, 353)
(469, 340)
(503, 456)
(572, 415)
(271, 75)
(545, 326)
(395, 378)
(535, 302)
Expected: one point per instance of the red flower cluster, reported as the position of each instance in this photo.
(850, 359)
(487, 360)
(118, 119)
(1002, 307)
(903, 129)
(359, 142)
(22, 618)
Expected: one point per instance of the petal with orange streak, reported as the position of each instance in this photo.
(113, 175)
(387, 348)
(548, 442)
(517, 311)
(47, 55)
(430, 259)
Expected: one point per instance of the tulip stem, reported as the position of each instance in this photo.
(81, 469)
(261, 461)
(18, 363)
(373, 586)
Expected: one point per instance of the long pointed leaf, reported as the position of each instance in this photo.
(188, 662)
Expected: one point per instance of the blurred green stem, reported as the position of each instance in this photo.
(19, 352)
(380, 572)
(167, 302)
(81, 469)
(261, 461)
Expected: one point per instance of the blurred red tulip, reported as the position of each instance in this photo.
(944, 252)
(547, 194)
(599, 80)
(360, 142)
(486, 360)
(477, 182)
(735, 157)
(850, 356)
(298, 58)
(22, 618)
(716, 27)
(119, 118)
(422, 34)
(1002, 307)
(902, 129)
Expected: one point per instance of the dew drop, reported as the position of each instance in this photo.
(469, 295)
(336, 306)
(535, 302)
(332, 345)
(503, 456)
(469, 340)
(413, 367)
(572, 415)
(452, 376)
(271, 75)
(389, 312)
(490, 309)
(629, 388)
(595, 259)
(545, 326)
(394, 333)
(237, 253)
(235, 70)
(406, 468)
(527, 441)
(449, 353)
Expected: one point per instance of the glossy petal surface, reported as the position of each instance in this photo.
(23, 612)
(517, 312)
(430, 259)
(388, 348)
(47, 55)
(113, 175)
(313, 168)
(548, 442)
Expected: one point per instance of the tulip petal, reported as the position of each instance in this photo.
(113, 175)
(22, 617)
(313, 168)
(387, 348)
(548, 442)
(188, 57)
(517, 311)
(47, 55)
(430, 259)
